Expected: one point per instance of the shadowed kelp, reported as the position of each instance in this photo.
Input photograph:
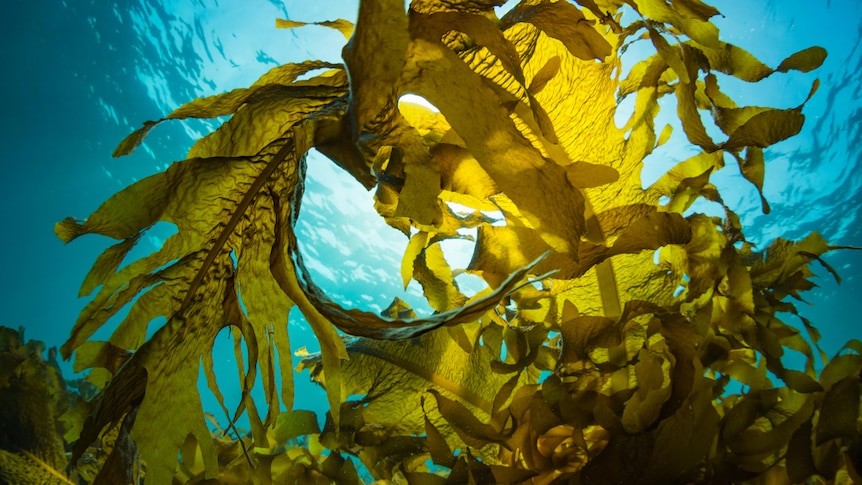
(639, 309)
(35, 411)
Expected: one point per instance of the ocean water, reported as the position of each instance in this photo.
(79, 75)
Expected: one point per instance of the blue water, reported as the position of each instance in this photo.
(78, 76)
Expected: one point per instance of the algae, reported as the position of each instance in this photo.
(639, 310)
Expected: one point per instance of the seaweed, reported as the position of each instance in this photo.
(33, 403)
(638, 310)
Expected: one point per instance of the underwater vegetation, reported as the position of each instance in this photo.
(33, 396)
(616, 322)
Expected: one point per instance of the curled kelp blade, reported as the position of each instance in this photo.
(367, 324)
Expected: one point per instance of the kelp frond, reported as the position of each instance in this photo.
(638, 310)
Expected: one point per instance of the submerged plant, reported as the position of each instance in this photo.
(639, 309)
(34, 410)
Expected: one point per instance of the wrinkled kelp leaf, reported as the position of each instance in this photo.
(639, 310)
(395, 378)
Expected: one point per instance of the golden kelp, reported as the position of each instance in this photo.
(34, 410)
(640, 310)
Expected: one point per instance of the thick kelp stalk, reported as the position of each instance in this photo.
(639, 310)
(34, 403)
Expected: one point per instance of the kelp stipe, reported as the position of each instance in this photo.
(36, 412)
(638, 352)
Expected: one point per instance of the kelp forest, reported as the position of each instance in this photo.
(623, 336)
